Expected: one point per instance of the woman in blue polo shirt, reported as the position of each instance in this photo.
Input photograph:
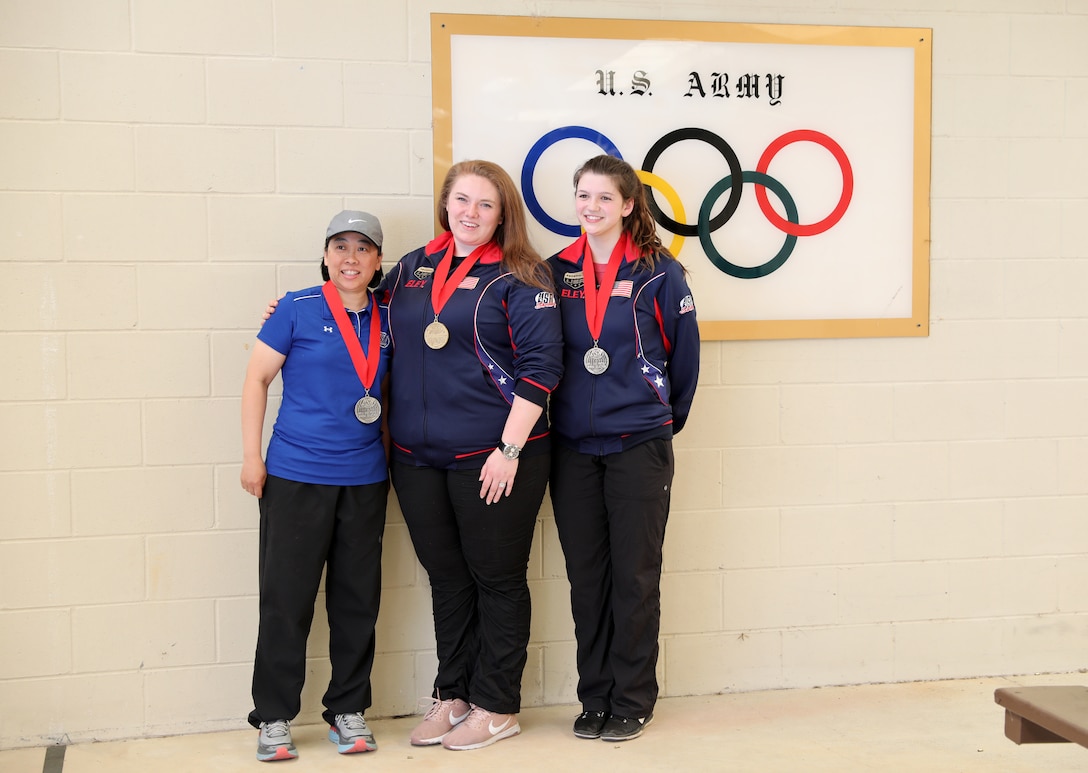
(478, 346)
(322, 488)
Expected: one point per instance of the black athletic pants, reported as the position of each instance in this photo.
(611, 513)
(307, 527)
(476, 556)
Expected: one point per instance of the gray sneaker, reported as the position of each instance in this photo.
(274, 742)
(351, 735)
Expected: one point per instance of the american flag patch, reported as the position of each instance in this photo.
(623, 289)
(469, 283)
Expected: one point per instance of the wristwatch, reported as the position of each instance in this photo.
(509, 450)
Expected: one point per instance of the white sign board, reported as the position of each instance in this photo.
(788, 166)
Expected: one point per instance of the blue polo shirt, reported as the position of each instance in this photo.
(316, 437)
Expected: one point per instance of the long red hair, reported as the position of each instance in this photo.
(512, 234)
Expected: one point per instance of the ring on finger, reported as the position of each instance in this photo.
(502, 484)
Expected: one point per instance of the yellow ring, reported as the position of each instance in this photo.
(651, 179)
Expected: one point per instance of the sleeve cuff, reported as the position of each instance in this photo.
(528, 391)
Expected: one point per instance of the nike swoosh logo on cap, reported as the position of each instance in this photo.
(355, 221)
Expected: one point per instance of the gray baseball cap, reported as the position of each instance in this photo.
(360, 222)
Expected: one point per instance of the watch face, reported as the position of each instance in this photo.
(511, 452)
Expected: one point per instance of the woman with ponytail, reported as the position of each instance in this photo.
(631, 363)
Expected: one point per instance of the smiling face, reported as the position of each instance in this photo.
(600, 206)
(474, 211)
(352, 260)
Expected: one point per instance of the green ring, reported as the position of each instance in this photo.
(747, 272)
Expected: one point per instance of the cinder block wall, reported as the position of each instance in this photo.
(846, 511)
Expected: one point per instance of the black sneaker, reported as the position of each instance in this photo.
(624, 728)
(589, 724)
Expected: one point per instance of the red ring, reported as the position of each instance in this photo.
(800, 229)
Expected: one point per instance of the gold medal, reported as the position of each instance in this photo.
(436, 335)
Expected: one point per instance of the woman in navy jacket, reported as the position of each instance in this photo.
(631, 363)
(477, 343)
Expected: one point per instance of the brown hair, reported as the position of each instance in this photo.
(512, 234)
(640, 224)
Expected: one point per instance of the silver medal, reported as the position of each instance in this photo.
(368, 409)
(596, 360)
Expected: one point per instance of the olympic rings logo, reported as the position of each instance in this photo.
(706, 224)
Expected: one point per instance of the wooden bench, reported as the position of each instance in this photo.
(1045, 714)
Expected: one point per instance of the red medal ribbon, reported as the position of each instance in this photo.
(366, 365)
(442, 284)
(597, 298)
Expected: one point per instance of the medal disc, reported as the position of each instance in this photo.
(596, 360)
(368, 409)
(436, 335)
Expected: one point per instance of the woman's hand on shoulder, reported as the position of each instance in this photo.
(272, 304)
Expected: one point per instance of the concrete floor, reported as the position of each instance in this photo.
(927, 726)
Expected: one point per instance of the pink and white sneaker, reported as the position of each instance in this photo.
(482, 728)
(439, 720)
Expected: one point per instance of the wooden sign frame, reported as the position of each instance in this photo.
(827, 128)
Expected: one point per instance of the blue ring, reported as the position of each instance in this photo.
(529, 168)
(747, 272)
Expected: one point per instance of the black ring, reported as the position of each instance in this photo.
(735, 171)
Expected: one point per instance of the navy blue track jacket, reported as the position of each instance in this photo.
(449, 405)
(652, 338)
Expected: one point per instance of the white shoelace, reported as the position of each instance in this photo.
(277, 729)
(353, 721)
